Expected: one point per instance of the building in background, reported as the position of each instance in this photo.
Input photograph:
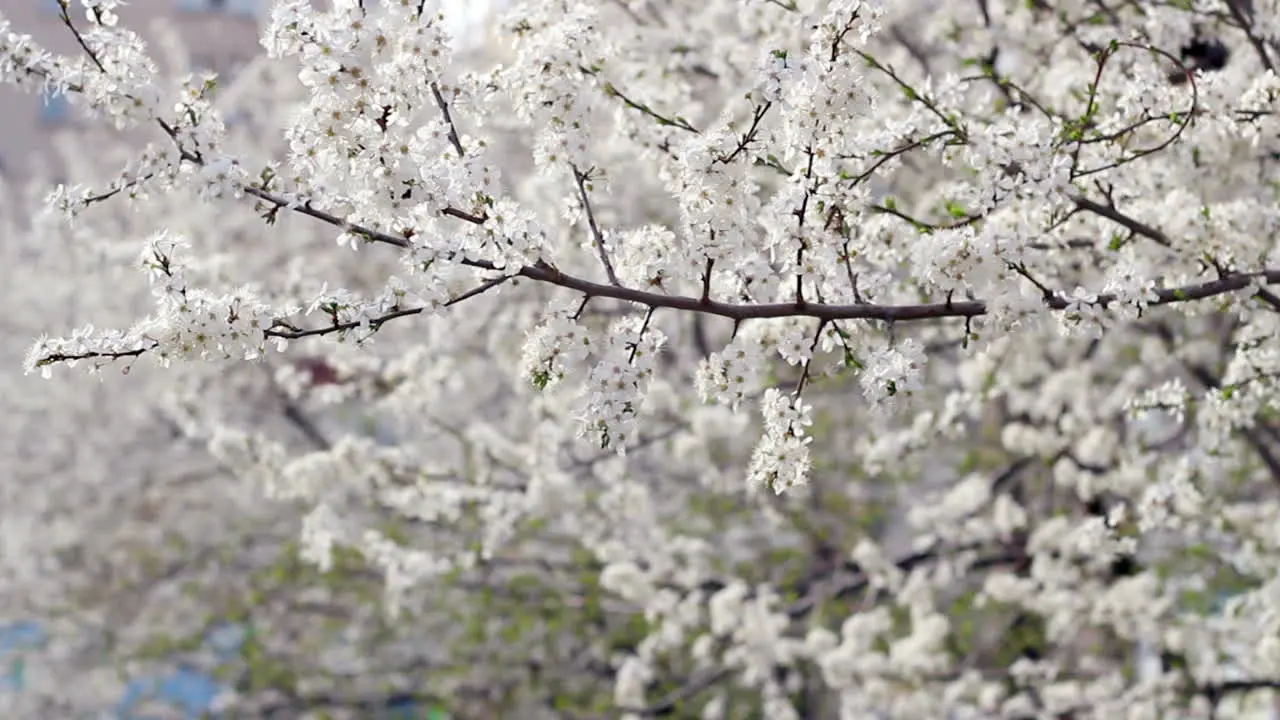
(218, 34)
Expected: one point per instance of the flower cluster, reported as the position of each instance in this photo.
(614, 392)
(781, 459)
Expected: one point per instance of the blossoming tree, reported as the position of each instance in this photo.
(128, 548)
(784, 359)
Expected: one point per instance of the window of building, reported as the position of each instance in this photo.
(247, 8)
(201, 63)
(251, 8)
(54, 108)
(238, 118)
(226, 67)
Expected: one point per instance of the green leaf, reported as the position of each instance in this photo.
(541, 378)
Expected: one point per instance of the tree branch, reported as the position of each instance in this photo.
(668, 704)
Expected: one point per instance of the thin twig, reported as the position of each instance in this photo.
(597, 236)
(448, 118)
